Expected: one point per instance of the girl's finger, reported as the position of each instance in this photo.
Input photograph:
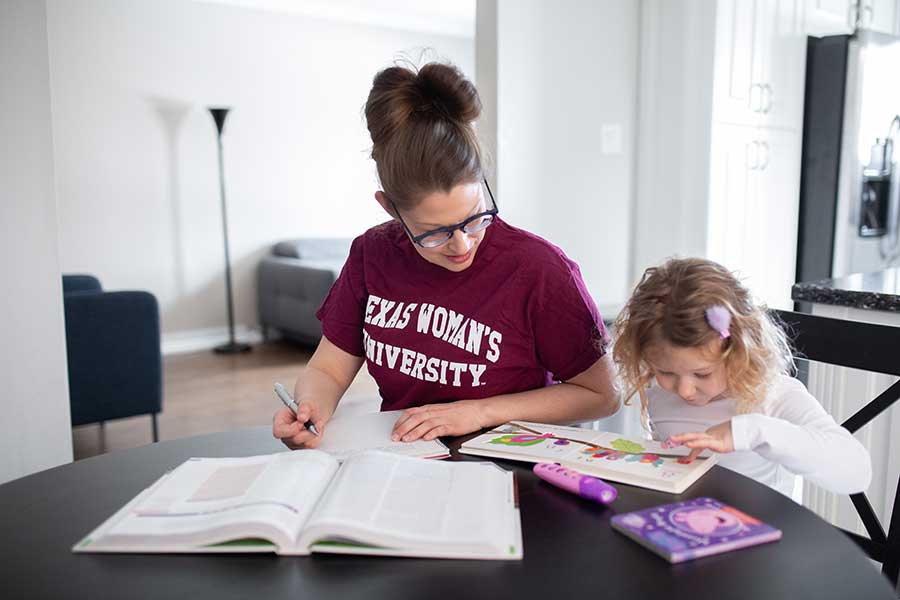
(686, 460)
(685, 437)
(703, 444)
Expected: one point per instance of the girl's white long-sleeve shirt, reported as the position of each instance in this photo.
(788, 433)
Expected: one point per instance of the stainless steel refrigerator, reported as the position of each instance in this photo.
(850, 176)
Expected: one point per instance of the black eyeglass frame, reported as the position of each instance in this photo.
(449, 229)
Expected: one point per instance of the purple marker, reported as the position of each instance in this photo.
(577, 483)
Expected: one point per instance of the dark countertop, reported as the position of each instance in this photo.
(868, 291)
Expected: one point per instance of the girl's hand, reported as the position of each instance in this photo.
(717, 438)
(433, 420)
(290, 430)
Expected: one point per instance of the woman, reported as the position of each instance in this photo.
(463, 320)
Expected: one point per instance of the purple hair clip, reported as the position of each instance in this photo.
(719, 319)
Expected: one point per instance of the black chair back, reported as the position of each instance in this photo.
(868, 347)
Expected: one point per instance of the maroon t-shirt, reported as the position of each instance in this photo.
(517, 319)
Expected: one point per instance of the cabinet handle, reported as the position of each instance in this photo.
(867, 9)
(754, 165)
(765, 162)
(767, 96)
(754, 101)
(856, 14)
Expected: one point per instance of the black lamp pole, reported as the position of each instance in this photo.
(232, 347)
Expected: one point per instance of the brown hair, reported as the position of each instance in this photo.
(421, 123)
(669, 304)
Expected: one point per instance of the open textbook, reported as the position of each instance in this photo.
(306, 501)
(606, 455)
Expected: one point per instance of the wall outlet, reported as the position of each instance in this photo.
(611, 138)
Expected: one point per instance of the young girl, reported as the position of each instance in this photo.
(711, 369)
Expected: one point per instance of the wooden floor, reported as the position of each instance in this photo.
(206, 392)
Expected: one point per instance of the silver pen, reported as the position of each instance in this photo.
(285, 397)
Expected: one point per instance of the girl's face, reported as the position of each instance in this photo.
(442, 210)
(696, 374)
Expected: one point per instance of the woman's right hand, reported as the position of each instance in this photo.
(290, 430)
(324, 380)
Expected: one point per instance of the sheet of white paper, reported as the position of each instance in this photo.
(346, 436)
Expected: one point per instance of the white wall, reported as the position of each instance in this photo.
(674, 128)
(564, 70)
(34, 428)
(135, 148)
(486, 82)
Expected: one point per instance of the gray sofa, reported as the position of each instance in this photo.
(292, 283)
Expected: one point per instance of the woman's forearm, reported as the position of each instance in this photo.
(317, 387)
(561, 403)
(589, 395)
(327, 376)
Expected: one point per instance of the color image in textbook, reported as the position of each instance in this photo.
(693, 529)
(606, 455)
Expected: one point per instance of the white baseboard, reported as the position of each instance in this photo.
(198, 340)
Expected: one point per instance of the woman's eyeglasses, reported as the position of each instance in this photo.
(441, 235)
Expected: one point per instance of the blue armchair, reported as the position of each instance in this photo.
(112, 342)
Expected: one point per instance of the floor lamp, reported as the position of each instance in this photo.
(232, 347)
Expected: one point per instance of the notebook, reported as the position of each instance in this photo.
(345, 436)
(296, 503)
(609, 456)
(693, 529)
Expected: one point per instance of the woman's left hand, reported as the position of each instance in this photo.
(717, 438)
(433, 420)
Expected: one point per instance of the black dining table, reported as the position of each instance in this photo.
(570, 550)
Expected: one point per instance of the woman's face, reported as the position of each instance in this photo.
(441, 209)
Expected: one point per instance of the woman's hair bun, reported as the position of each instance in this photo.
(444, 90)
(422, 127)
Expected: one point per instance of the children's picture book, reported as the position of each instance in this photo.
(296, 503)
(693, 529)
(609, 456)
(345, 436)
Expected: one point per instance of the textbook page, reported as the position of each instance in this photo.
(208, 501)
(345, 436)
(437, 508)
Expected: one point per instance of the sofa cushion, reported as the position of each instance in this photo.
(314, 248)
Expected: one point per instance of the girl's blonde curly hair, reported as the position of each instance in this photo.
(669, 305)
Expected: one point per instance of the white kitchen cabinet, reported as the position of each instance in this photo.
(754, 161)
(759, 63)
(783, 58)
(753, 208)
(829, 17)
(738, 63)
(772, 237)
(878, 15)
(731, 184)
(834, 17)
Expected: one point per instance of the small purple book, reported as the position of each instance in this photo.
(693, 529)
